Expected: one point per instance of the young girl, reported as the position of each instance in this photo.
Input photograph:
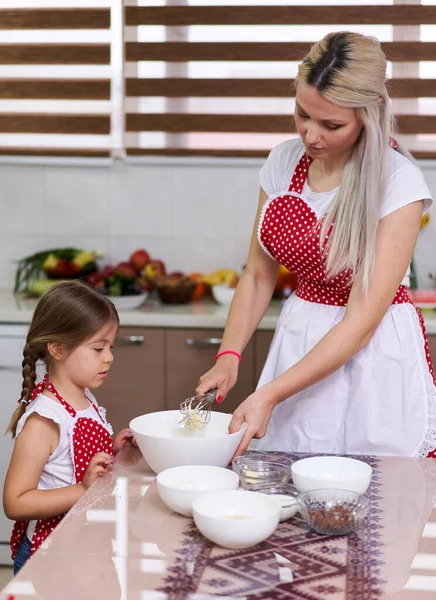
(62, 439)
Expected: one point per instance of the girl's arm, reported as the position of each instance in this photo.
(251, 299)
(396, 239)
(22, 501)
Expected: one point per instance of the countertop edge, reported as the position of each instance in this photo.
(197, 315)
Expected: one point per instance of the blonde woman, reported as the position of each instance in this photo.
(348, 370)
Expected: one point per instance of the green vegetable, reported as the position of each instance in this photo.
(31, 267)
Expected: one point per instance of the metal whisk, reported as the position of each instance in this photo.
(196, 410)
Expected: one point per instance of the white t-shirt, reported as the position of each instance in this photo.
(405, 182)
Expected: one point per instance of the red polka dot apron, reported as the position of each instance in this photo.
(289, 232)
(88, 436)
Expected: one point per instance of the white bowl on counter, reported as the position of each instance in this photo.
(165, 443)
(331, 472)
(238, 519)
(223, 294)
(180, 486)
(128, 302)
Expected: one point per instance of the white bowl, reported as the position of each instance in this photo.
(331, 472)
(223, 294)
(128, 302)
(180, 486)
(289, 505)
(164, 443)
(238, 519)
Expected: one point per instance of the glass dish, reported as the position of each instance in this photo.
(261, 472)
(333, 512)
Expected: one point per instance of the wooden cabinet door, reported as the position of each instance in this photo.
(432, 348)
(263, 341)
(189, 354)
(135, 384)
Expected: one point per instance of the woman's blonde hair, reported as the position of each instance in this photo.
(69, 313)
(349, 69)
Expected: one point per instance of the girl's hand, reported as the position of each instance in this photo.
(223, 376)
(124, 437)
(256, 412)
(99, 464)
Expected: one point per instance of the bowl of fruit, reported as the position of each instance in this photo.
(175, 288)
(127, 284)
(36, 273)
(223, 284)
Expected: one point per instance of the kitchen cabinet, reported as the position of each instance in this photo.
(136, 381)
(189, 354)
(156, 368)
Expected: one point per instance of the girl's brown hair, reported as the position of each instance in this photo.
(69, 313)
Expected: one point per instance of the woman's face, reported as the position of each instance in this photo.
(328, 131)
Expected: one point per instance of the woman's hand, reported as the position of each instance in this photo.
(223, 376)
(99, 464)
(124, 437)
(256, 412)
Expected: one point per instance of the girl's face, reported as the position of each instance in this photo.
(328, 131)
(88, 364)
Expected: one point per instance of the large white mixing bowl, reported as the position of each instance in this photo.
(164, 443)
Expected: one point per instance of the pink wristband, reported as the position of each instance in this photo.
(228, 352)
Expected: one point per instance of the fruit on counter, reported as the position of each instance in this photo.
(125, 269)
(139, 259)
(285, 278)
(51, 262)
(202, 288)
(38, 287)
(155, 268)
(56, 263)
(234, 282)
(175, 288)
(221, 277)
(83, 258)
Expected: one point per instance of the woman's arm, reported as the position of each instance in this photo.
(22, 501)
(396, 239)
(251, 299)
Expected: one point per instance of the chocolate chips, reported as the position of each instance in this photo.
(338, 519)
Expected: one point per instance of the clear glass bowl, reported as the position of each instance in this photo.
(333, 512)
(261, 472)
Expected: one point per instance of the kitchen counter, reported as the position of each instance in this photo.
(200, 314)
(120, 542)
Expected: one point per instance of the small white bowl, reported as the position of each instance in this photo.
(164, 443)
(180, 486)
(128, 302)
(289, 505)
(223, 294)
(331, 472)
(238, 519)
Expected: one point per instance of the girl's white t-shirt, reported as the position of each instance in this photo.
(59, 469)
(405, 181)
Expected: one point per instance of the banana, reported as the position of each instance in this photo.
(83, 258)
(220, 277)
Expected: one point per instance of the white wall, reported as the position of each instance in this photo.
(195, 216)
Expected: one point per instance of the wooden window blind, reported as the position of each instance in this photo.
(55, 78)
(217, 80)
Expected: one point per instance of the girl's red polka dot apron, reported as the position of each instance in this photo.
(88, 437)
(289, 232)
